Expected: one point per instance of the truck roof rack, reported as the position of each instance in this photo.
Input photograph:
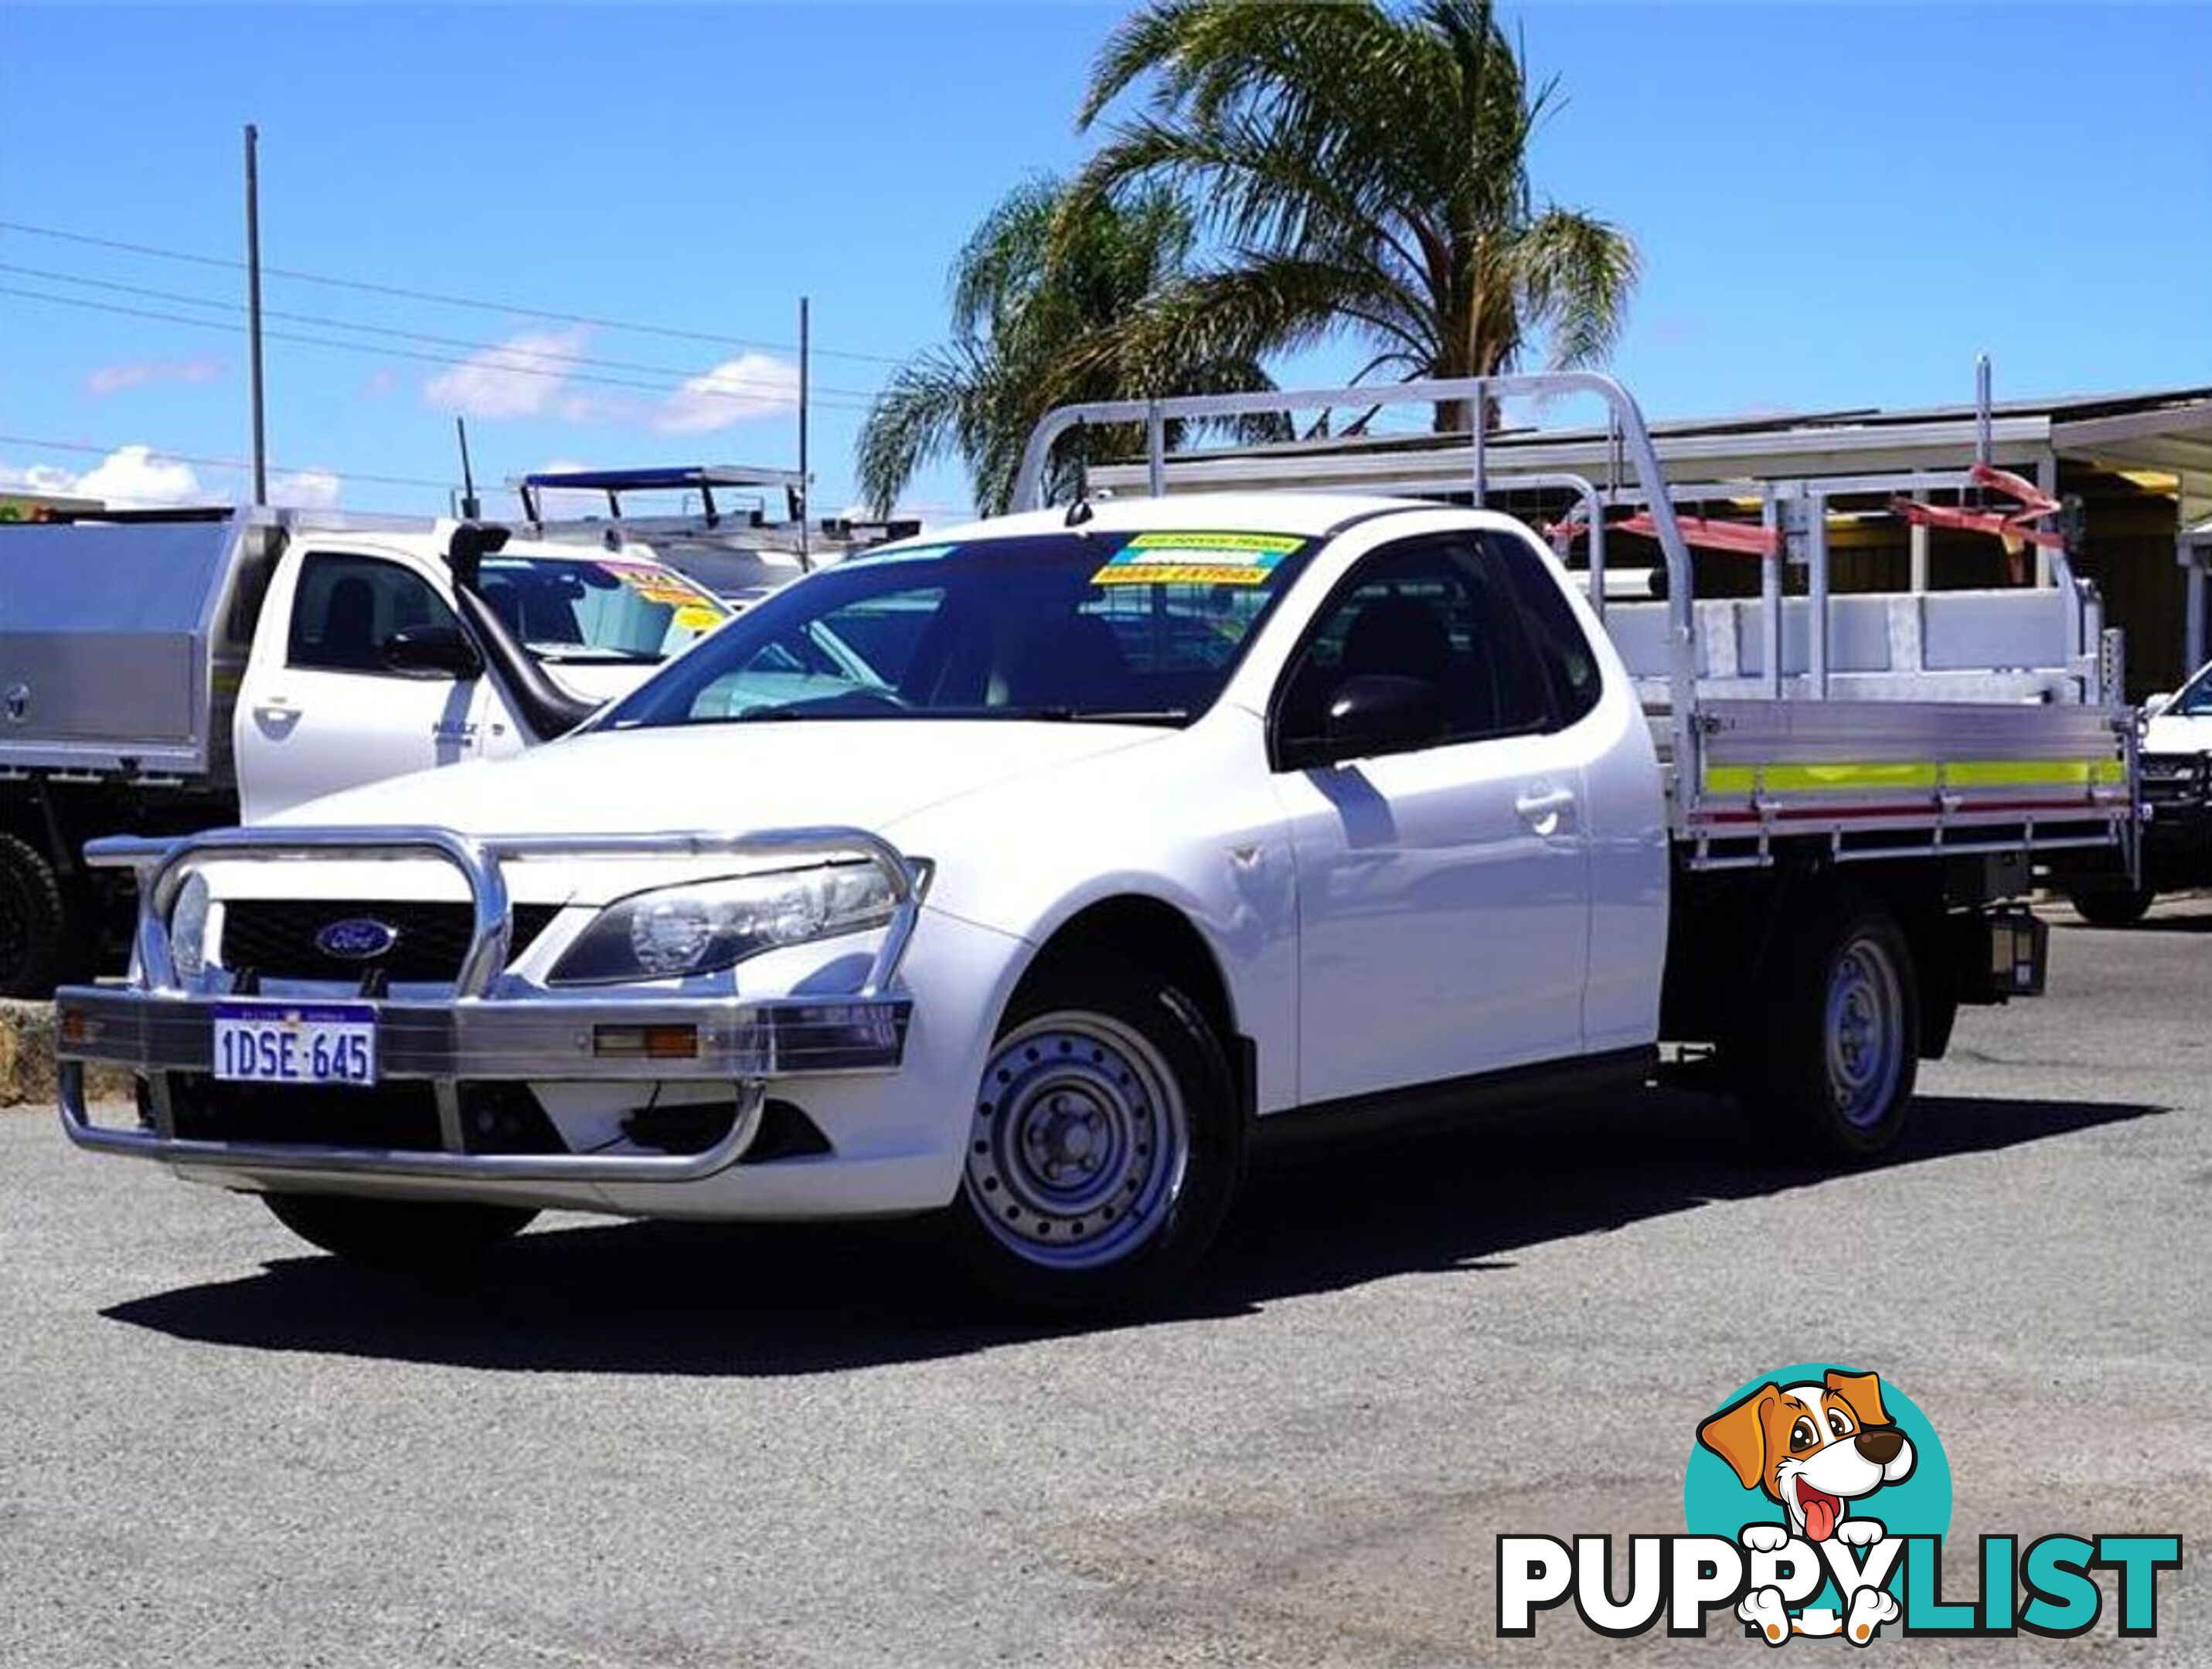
(700, 478)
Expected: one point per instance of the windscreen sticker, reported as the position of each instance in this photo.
(1196, 559)
(657, 586)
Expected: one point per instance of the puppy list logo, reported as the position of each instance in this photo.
(1817, 1499)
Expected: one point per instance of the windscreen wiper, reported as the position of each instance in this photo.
(591, 656)
(1070, 715)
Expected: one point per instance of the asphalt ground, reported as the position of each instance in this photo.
(645, 1445)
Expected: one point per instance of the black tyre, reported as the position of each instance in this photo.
(396, 1234)
(1105, 1147)
(32, 920)
(1828, 1064)
(2110, 906)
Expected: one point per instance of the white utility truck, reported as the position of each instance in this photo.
(1029, 873)
(164, 671)
(2176, 793)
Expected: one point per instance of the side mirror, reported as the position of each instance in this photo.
(2154, 704)
(1377, 712)
(432, 651)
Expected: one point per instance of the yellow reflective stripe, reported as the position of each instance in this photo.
(1959, 773)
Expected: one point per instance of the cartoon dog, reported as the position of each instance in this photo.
(1814, 1448)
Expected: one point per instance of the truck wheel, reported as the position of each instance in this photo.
(1105, 1146)
(1831, 1069)
(2107, 906)
(30, 920)
(396, 1234)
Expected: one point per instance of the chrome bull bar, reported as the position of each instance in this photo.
(164, 865)
(161, 1024)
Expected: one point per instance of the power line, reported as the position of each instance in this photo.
(90, 450)
(516, 361)
(366, 287)
(474, 347)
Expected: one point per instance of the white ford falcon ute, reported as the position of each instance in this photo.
(1015, 874)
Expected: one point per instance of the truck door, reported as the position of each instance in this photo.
(1444, 890)
(321, 712)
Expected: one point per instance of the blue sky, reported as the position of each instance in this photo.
(1837, 206)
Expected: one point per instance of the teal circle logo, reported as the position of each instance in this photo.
(1817, 1449)
(1717, 1502)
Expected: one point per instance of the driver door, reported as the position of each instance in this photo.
(1443, 891)
(323, 712)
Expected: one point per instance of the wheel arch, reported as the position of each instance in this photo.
(1148, 932)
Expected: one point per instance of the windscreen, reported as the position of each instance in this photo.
(2194, 700)
(1111, 626)
(598, 611)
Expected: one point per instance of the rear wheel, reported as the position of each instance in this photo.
(2110, 906)
(30, 920)
(1831, 1066)
(1104, 1147)
(396, 1234)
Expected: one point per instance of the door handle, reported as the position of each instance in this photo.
(1542, 807)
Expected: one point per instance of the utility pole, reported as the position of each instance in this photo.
(254, 307)
(805, 485)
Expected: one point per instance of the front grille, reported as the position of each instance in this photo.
(276, 937)
(2172, 778)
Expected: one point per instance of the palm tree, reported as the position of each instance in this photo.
(1046, 304)
(1367, 167)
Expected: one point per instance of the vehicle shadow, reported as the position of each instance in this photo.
(745, 1299)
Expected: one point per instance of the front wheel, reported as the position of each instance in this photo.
(1104, 1147)
(2111, 906)
(1831, 1066)
(34, 920)
(398, 1233)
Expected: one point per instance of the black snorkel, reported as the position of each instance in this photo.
(545, 709)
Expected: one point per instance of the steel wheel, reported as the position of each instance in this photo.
(1826, 1046)
(1864, 1032)
(1080, 1144)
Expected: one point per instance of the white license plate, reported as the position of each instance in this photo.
(296, 1043)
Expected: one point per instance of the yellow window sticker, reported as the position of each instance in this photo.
(1197, 559)
(659, 585)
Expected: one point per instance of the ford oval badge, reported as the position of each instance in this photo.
(357, 939)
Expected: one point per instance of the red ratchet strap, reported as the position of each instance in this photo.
(2015, 525)
(1744, 538)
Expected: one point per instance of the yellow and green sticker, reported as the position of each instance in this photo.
(1779, 778)
(1197, 559)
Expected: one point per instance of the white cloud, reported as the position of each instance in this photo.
(106, 380)
(524, 376)
(135, 478)
(531, 375)
(305, 489)
(39, 478)
(735, 392)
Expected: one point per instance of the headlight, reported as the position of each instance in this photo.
(707, 924)
(188, 920)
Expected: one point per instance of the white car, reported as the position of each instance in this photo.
(1026, 873)
(2177, 791)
